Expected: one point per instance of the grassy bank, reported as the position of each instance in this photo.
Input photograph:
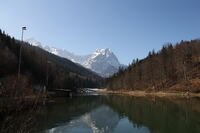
(152, 93)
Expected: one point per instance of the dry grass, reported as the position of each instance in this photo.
(144, 93)
(183, 88)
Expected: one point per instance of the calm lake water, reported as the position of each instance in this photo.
(119, 114)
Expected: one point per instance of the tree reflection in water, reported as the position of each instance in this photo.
(160, 115)
(115, 114)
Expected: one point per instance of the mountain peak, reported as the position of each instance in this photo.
(103, 51)
(34, 42)
(107, 52)
(103, 61)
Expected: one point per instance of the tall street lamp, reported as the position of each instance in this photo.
(47, 72)
(20, 52)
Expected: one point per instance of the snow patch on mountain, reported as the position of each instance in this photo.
(102, 61)
(34, 42)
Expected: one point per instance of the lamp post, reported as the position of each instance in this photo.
(47, 72)
(20, 52)
(47, 80)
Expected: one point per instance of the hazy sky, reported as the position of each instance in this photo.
(130, 28)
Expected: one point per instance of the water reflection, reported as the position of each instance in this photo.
(159, 115)
(119, 114)
(100, 120)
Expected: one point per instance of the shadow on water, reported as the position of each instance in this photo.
(116, 114)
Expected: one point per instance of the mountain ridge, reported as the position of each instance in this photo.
(102, 61)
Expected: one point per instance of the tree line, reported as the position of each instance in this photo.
(174, 67)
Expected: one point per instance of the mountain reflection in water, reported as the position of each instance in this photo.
(100, 120)
(120, 114)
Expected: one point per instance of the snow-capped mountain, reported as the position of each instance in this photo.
(102, 61)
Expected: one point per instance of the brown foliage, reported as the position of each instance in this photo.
(11, 86)
(162, 70)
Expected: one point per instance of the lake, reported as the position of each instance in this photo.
(115, 114)
(120, 114)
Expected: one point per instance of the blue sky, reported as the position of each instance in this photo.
(130, 28)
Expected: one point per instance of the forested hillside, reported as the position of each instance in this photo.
(174, 68)
(39, 68)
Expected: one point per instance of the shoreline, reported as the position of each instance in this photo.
(145, 93)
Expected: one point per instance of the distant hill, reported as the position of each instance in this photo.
(102, 61)
(173, 68)
(38, 66)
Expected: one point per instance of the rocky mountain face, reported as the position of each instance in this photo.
(102, 61)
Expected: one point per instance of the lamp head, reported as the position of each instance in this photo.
(23, 28)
